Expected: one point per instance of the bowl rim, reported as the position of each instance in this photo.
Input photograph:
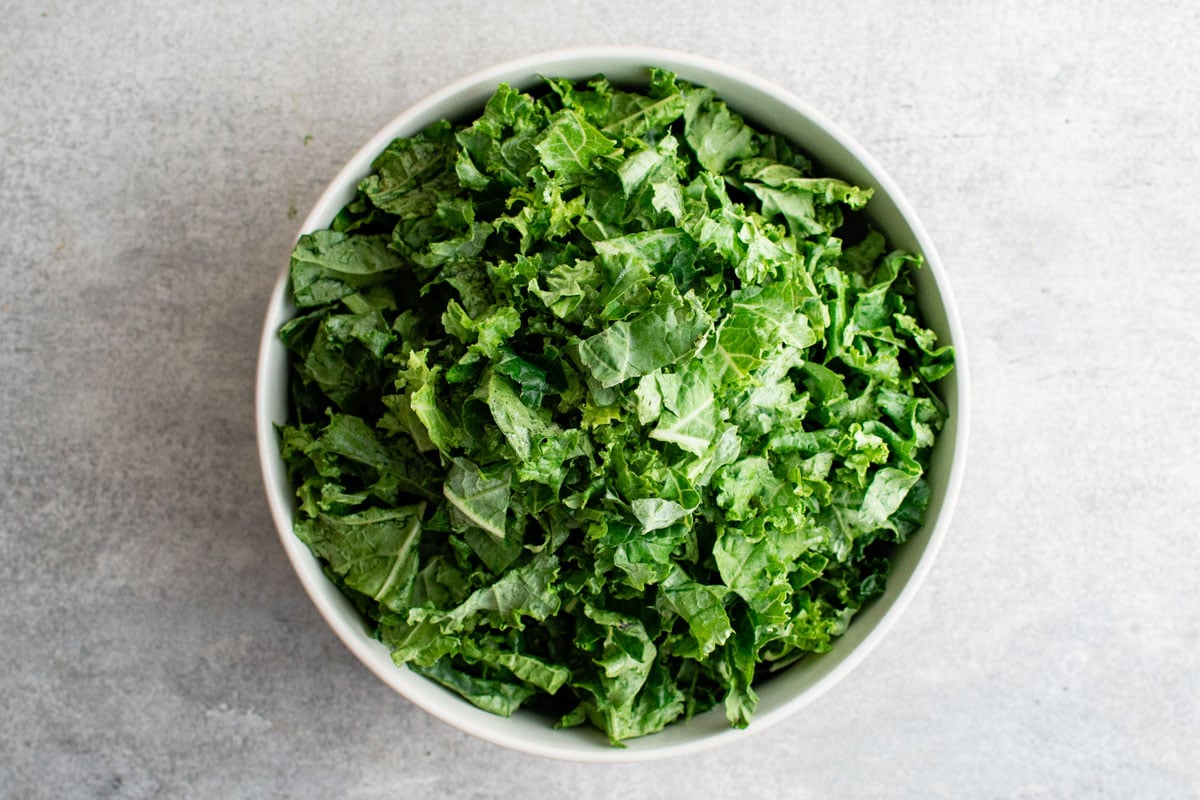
(545, 63)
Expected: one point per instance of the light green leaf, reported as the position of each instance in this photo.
(572, 145)
(477, 500)
(672, 329)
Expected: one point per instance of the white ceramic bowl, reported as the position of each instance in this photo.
(772, 108)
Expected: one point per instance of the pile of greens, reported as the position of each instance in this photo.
(605, 405)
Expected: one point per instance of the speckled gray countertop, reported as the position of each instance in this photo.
(155, 161)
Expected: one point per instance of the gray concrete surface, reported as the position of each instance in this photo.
(155, 161)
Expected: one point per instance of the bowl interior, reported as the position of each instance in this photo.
(769, 107)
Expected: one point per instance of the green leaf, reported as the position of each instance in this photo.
(422, 398)
(718, 136)
(523, 427)
(747, 483)
(567, 285)
(885, 494)
(327, 266)
(409, 176)
(374, 551)
(625, 659)
(671, 329)
(476, 499)
(634, 115)
(809, 205)
(572, 145)
(642, 555)
(526, 591)
(655, 512)
(688, 418)
(703, 607)
(422, 644)
(535, 671)
(496, 696)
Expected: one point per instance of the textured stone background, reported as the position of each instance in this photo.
(155, 161)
